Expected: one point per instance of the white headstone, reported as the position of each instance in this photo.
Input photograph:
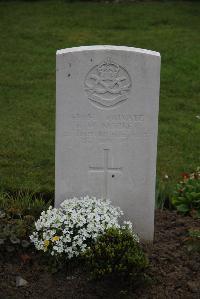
(106, 128)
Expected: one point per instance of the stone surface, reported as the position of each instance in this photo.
(106, 128)
(20, 282)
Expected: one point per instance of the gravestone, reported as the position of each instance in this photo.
(106, 128)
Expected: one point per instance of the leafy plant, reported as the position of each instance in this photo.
(117, 254)
(186, 197)
(17, 216)
(193, 240)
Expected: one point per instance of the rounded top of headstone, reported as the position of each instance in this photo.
(107, 47)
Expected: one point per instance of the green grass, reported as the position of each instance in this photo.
(30, 34)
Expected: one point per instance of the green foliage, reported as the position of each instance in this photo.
(117, 254)
(186, 197)
(193, 240)
(163, 194)
(17, 216)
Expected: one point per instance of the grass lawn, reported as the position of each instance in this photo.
(30, 34)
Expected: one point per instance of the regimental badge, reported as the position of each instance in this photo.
(107, 84)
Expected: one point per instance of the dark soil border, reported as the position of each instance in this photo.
(174, 272)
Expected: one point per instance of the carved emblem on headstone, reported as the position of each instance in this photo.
(107, 84)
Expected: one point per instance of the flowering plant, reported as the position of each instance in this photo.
(186, 197)
(70, 229)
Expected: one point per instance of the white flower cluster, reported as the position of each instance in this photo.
(70, 229)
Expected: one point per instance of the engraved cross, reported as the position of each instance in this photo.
(106, 170)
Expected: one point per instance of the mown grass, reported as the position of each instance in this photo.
(30, 34)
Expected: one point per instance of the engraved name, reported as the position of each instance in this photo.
(121, 125)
